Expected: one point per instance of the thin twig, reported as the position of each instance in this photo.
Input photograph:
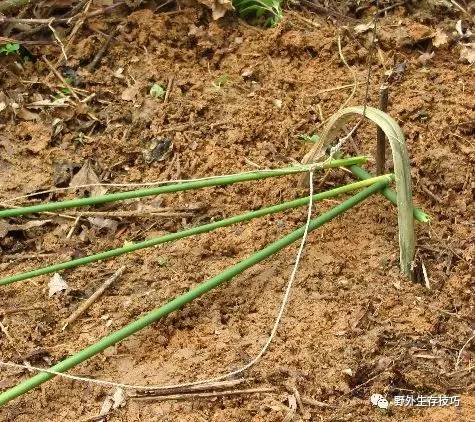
(56, 36)
(194, 396)
(119, 214)
(19, 310)
(431, 194)
(337, 88)
(353, 74)
(60, 77)
(316, 403)
(73, 33)
(7, 335)
(381, 137)
(51, 21)
(88, 302)
(19, 257)
(459, 356)
(219, 385)
(169, 88)
(98, 57)
(71, 230)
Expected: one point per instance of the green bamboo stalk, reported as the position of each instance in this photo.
(176, 187)
(182, 300)
(189, 232)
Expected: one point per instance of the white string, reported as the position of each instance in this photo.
(256, 359)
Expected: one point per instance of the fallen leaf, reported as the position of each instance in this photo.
(59, 102)
(424, 58)
(56, 284)
(103, 223)
(363, 27)
(118, 398)
(87, 176)
(24, 114)
(5, 227)
(464, 33)
(119, 73)
(196, 31)
(133, 4)
(218, 7)
(440, 38)
(246, 72)
(157, 91)
(129, 93)
(467, 53)
(112, 402)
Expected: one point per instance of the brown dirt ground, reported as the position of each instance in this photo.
(349, 309)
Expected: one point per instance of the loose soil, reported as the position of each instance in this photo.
(240, 97)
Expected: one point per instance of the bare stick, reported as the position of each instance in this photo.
(71, 230)
(4, 19)
(381, 137)
(206, 395)
(97, 58)
(88, 302)
(120, 214)
(219, 385)
(459, 356)
(60, 77)
(337, 88)
(169, 88)
(19, 310)
(7, 335)
(312, 402)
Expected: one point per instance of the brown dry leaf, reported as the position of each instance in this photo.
(87, 176)
(112, 402)
(133, 4)
(104, 223)
(467, 53)
(363, 27)
(440, 38)
(129, 93)
(24, 114)
(56, 284)
(218, 7)
(5, 227)
(58, 102)
(424, 58)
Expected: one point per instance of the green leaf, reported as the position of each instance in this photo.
(10, 48)
(309, 138)
(270, 8)
(157, 91)
(220, 81)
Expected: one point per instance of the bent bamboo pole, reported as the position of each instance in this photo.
(192, 294)
(402, 171)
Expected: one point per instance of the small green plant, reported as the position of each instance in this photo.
(157, 91)
(271, 9)
(221, 81)
(10, 48)
(309, 138)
